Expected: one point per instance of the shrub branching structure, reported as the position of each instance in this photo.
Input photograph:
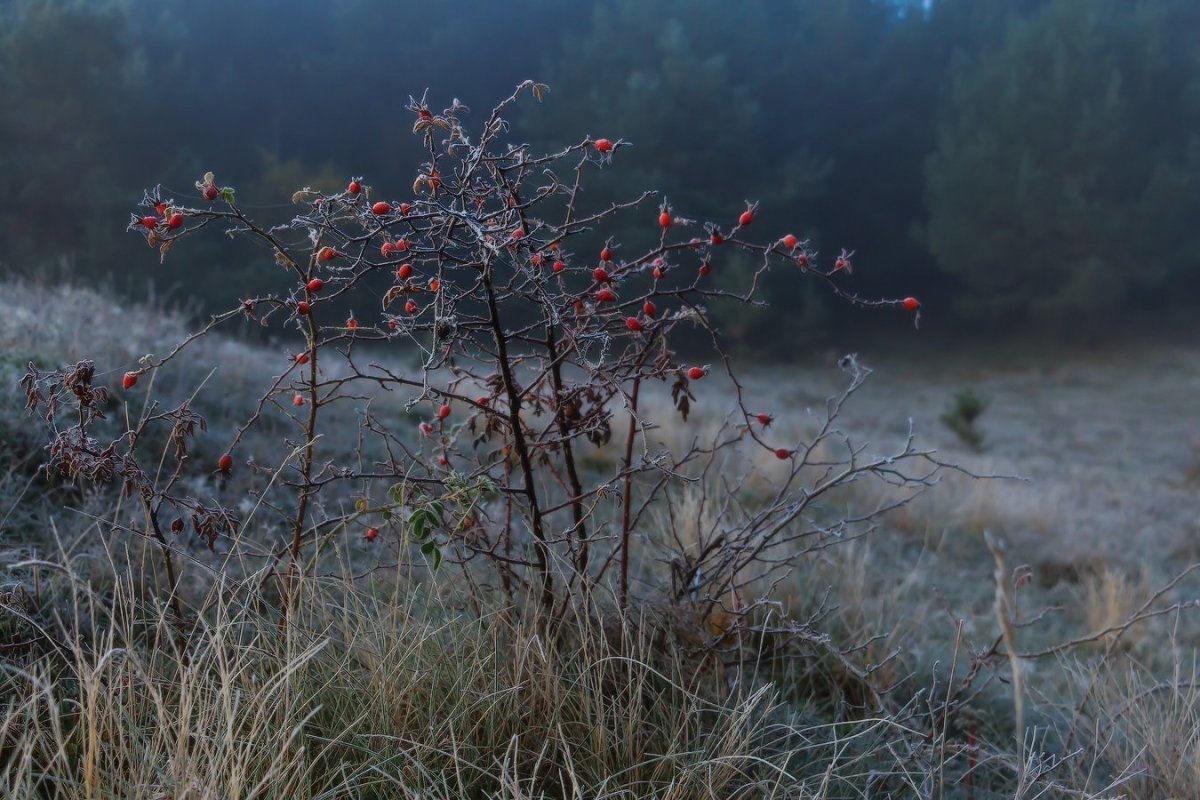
(534, 348)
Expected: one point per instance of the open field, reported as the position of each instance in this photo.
(393, 688)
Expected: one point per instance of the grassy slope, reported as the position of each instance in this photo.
(389, 688)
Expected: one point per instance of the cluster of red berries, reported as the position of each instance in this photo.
(171, 221)
(602, 275)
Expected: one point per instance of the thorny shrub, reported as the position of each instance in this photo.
(533, 349)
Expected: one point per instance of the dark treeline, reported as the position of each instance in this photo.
(1012, 162)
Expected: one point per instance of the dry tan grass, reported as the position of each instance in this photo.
(370, 694)
(1146, 731)
(1111, 596)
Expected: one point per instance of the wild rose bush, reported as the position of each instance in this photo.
(533, 351)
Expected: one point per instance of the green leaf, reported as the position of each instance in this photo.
(420, 524)
(431, 550)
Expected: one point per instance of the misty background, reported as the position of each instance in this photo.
(1024, 167)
